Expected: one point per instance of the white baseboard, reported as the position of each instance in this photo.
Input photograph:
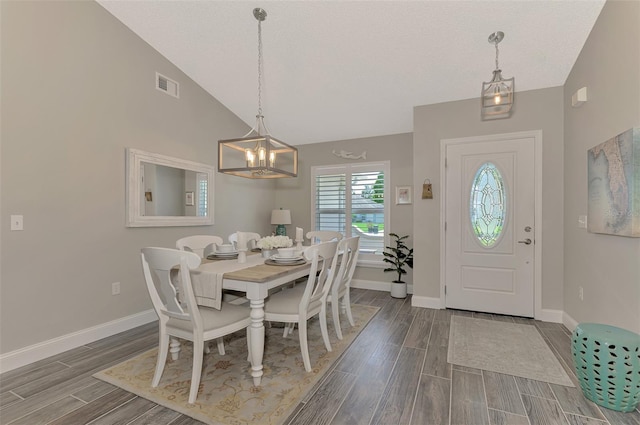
(569, 322)
(376, 285)
(554, 316)
(426, 302)
(33, 353)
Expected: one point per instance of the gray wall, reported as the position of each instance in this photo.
(77, 89)
(295, 194)
(607, 267)
(533, 110)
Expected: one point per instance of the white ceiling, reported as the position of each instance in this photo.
(338, 70)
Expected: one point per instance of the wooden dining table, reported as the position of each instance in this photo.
(255, 280)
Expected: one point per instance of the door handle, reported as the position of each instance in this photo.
(526, 241)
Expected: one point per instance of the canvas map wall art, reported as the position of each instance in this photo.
(614, 185)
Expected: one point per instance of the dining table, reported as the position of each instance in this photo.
(252, 277)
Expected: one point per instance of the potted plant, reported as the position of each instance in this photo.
(398, 256)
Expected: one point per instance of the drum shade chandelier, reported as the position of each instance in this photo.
(258, 155)
(497, 94)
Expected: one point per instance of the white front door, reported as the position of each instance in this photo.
(489, 225)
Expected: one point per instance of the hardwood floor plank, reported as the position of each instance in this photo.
(7, 398)
(419, 333)
(443, 315)
(432, 401)
(399, 328)
(186, 420)
(497, 417)
(94, 391)
(94, 410)
(361, 401)
(440, 333)
(32, 375)
(50, 412)
(390, 309)
(127, 413)
(620, 418)
(542, 411)
(435, 363)
(534, 388)
(581, 420)
(502, 393)
(40, 363)
(365, 344)
(156, 416)
(466, 369)
(572, 400)
(468, 402)
(322, 407)
(397, 400)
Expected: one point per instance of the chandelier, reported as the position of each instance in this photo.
(258, 155)
(497, 94)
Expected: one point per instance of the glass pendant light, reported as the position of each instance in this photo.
(497, 94)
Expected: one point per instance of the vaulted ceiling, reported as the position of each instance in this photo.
(337, 70)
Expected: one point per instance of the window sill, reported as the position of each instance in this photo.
(372, 264)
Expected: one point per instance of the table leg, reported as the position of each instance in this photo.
(256, 329)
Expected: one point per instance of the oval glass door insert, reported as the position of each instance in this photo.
(487, 205)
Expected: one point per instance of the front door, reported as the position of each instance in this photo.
(489, 225)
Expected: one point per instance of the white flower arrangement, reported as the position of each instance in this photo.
(273, 242)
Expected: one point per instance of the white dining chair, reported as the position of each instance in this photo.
(184, 318)
(339, 294)
(304, 301)
(251, 236)
(318, 236)
(202, 245)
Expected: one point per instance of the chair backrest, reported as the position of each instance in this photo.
(318, 236)
(251, 236)
(163, 268)
(202, 245)
(348, 250)
(322, 257)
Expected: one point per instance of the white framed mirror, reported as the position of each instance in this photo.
(167, 191)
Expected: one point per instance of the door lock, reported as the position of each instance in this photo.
(527, 229)
(526, 241)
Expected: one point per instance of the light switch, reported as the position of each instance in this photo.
(582, 221)
(16, 222)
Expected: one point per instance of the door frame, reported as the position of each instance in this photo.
(537, 272)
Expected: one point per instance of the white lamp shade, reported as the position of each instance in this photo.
(281, 217)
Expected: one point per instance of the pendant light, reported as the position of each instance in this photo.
(258, 155)
(497, 94)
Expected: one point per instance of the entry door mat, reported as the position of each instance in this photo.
(227, 394)
(503, 347)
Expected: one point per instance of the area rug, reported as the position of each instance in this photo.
(510, 348)
(227, 394)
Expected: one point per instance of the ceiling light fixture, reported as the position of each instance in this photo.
(497, 94)
(258, 155)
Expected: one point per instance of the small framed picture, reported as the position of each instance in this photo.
(188, 200)
(403, 195)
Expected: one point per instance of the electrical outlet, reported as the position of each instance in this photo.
(115, 288)
(581, 294)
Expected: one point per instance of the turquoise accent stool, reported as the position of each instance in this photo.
(607, 363)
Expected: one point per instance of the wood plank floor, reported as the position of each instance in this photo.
(395, 372)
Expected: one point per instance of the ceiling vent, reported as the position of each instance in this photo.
(166, 85)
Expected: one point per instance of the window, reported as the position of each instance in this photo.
(353, 199)
(487, 206)
(202, 194)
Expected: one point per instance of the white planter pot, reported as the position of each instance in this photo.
(399, 289)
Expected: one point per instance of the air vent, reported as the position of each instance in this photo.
(166, 85)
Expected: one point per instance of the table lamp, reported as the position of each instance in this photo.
(280, 218)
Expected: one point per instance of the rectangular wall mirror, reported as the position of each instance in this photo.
(167, 191)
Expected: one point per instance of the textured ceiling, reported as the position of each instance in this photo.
(337, 70)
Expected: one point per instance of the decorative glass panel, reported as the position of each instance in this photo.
(487, 204)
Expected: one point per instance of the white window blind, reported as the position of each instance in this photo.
(352, 199)
(202, 194)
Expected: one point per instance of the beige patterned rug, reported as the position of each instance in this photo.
(227, 394)
(503, 347)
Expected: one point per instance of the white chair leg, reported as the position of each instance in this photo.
(198, 351)
(220, 346)
(336, 317)
(347, 305)
(323, 327)
(206, 349)
(285, 332)
(163, 349)
(175, 348)
(304, 348)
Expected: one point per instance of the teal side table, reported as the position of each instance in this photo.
(607, 363)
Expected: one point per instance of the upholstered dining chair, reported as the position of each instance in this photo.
(202, 245)
(184, 318)
(318, 236)
(304, 301)
(339, 294)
